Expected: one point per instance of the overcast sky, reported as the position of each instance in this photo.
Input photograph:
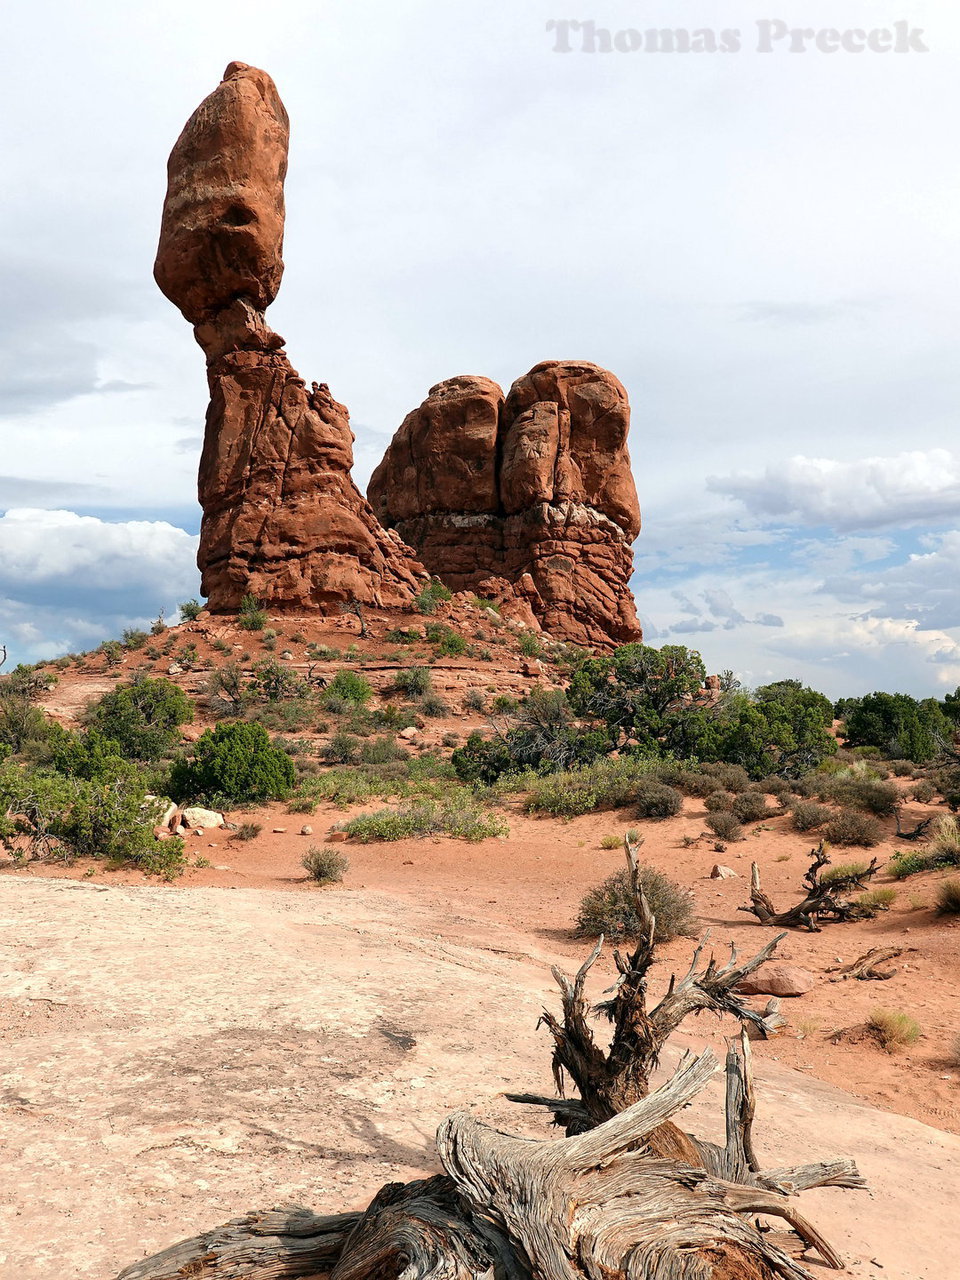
(762, 246)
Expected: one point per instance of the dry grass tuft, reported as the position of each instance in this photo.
(893, 1029)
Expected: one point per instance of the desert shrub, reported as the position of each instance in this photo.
(687, 779)
(24, 729)
(807, 814)
(291, 715)
(948, 898)
(431, 704)
(346, 687)
(400, 636)
(923, 791)
(893, 1029)
(343, 748)
(750, 806)
(382, 751)
(459, 816)
(725, 825)
(190, 610)
(611, 842)
(325, 866)
(446, 642)
(605, 784)
(870, 795)
(481, 761)
(875, 900)
(158, 626)
(414, 682)
(474, 700)
(142, 717)
(719, 802)
(247, 831)
(907, 862)
(133, 638)
(431, 597)
(504, 705)
(901, 768)
(656, 800)
(530, 645)
(944, 843)
(840, 870)
(849, 827)
(251, 616)
(610, 908)
(773, 785)
(731, 777)
(234, 764)
(272, 681)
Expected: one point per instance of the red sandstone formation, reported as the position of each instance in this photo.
(532, 495)
(281, 516)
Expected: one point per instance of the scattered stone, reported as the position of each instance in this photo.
(337, 837)
(279, 831)
(720, 872)
(306, 831)
(175, 669)
(409, 733)
(778, 980)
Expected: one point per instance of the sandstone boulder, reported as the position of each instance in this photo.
(281, 516)
(528, 496)
(778, 980)
(197, 817)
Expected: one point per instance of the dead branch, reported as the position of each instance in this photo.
(915, 833)
(866, 968)
(3, 654)
(825, 899)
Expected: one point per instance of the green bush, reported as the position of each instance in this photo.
(446, 642)
(190, 610)
(414, 682)
(725, 826)
(251, 616)
(399, 636)
(474, 700)
(234, 764)
(868, 794)
(382, 751)
(325, 866)
(948, 898)
(134, 639)
(849, 827)
(732, 777)
(656, 800)
(876, 900)
(458, 816)
(907, 862)
(610, 908)
(347, 687)
(924, 791)
(605, 784)
(431, 597)
(142, 717)
(482, 761)
(431, 704)
(343, 748)
(807, 814)
(719, 802)
(530, 645)
(750, 806)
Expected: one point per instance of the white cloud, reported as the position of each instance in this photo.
(916, 487)
(67, 580)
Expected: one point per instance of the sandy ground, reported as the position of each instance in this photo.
(174, 1057)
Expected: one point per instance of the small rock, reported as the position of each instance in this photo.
(410, 733)
(175, 669)
(337, 837)
(306, 831)
(221, 868)
(721, 872)
(279, 831)
(199, 831)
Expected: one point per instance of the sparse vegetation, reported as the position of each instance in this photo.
(610, 908)
(431, 597)
(849, 827)
(893, 1030)
(880, 899)
(414, 682)
(750, 806)
(190, 610)
(347, 688)
(948, 898)
(657, 800)
(807, 814)
(457, 816)
(247, 831)
(725, 825)
(251, 616)
(325, 866)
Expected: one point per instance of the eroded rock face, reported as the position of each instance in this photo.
(282, 517)
(531, 494)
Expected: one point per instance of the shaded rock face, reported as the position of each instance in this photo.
(531, 494)
(281, 516)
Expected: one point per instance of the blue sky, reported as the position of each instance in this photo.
(763, 248)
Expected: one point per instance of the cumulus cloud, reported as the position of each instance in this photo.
(915, 487)
(67, 580)
(715, 610)
(923, 586)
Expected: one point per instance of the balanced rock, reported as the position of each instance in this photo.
(778, 980)
(529, 495)
(282, 518)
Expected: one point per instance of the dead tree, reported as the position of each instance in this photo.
(355, 607)
(825, 900)
(3, 654)
(626, 1195)
(915, 833)
(867, 967)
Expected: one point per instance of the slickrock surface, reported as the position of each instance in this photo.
(282, 517)
(531, 495)
(174, 1057)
